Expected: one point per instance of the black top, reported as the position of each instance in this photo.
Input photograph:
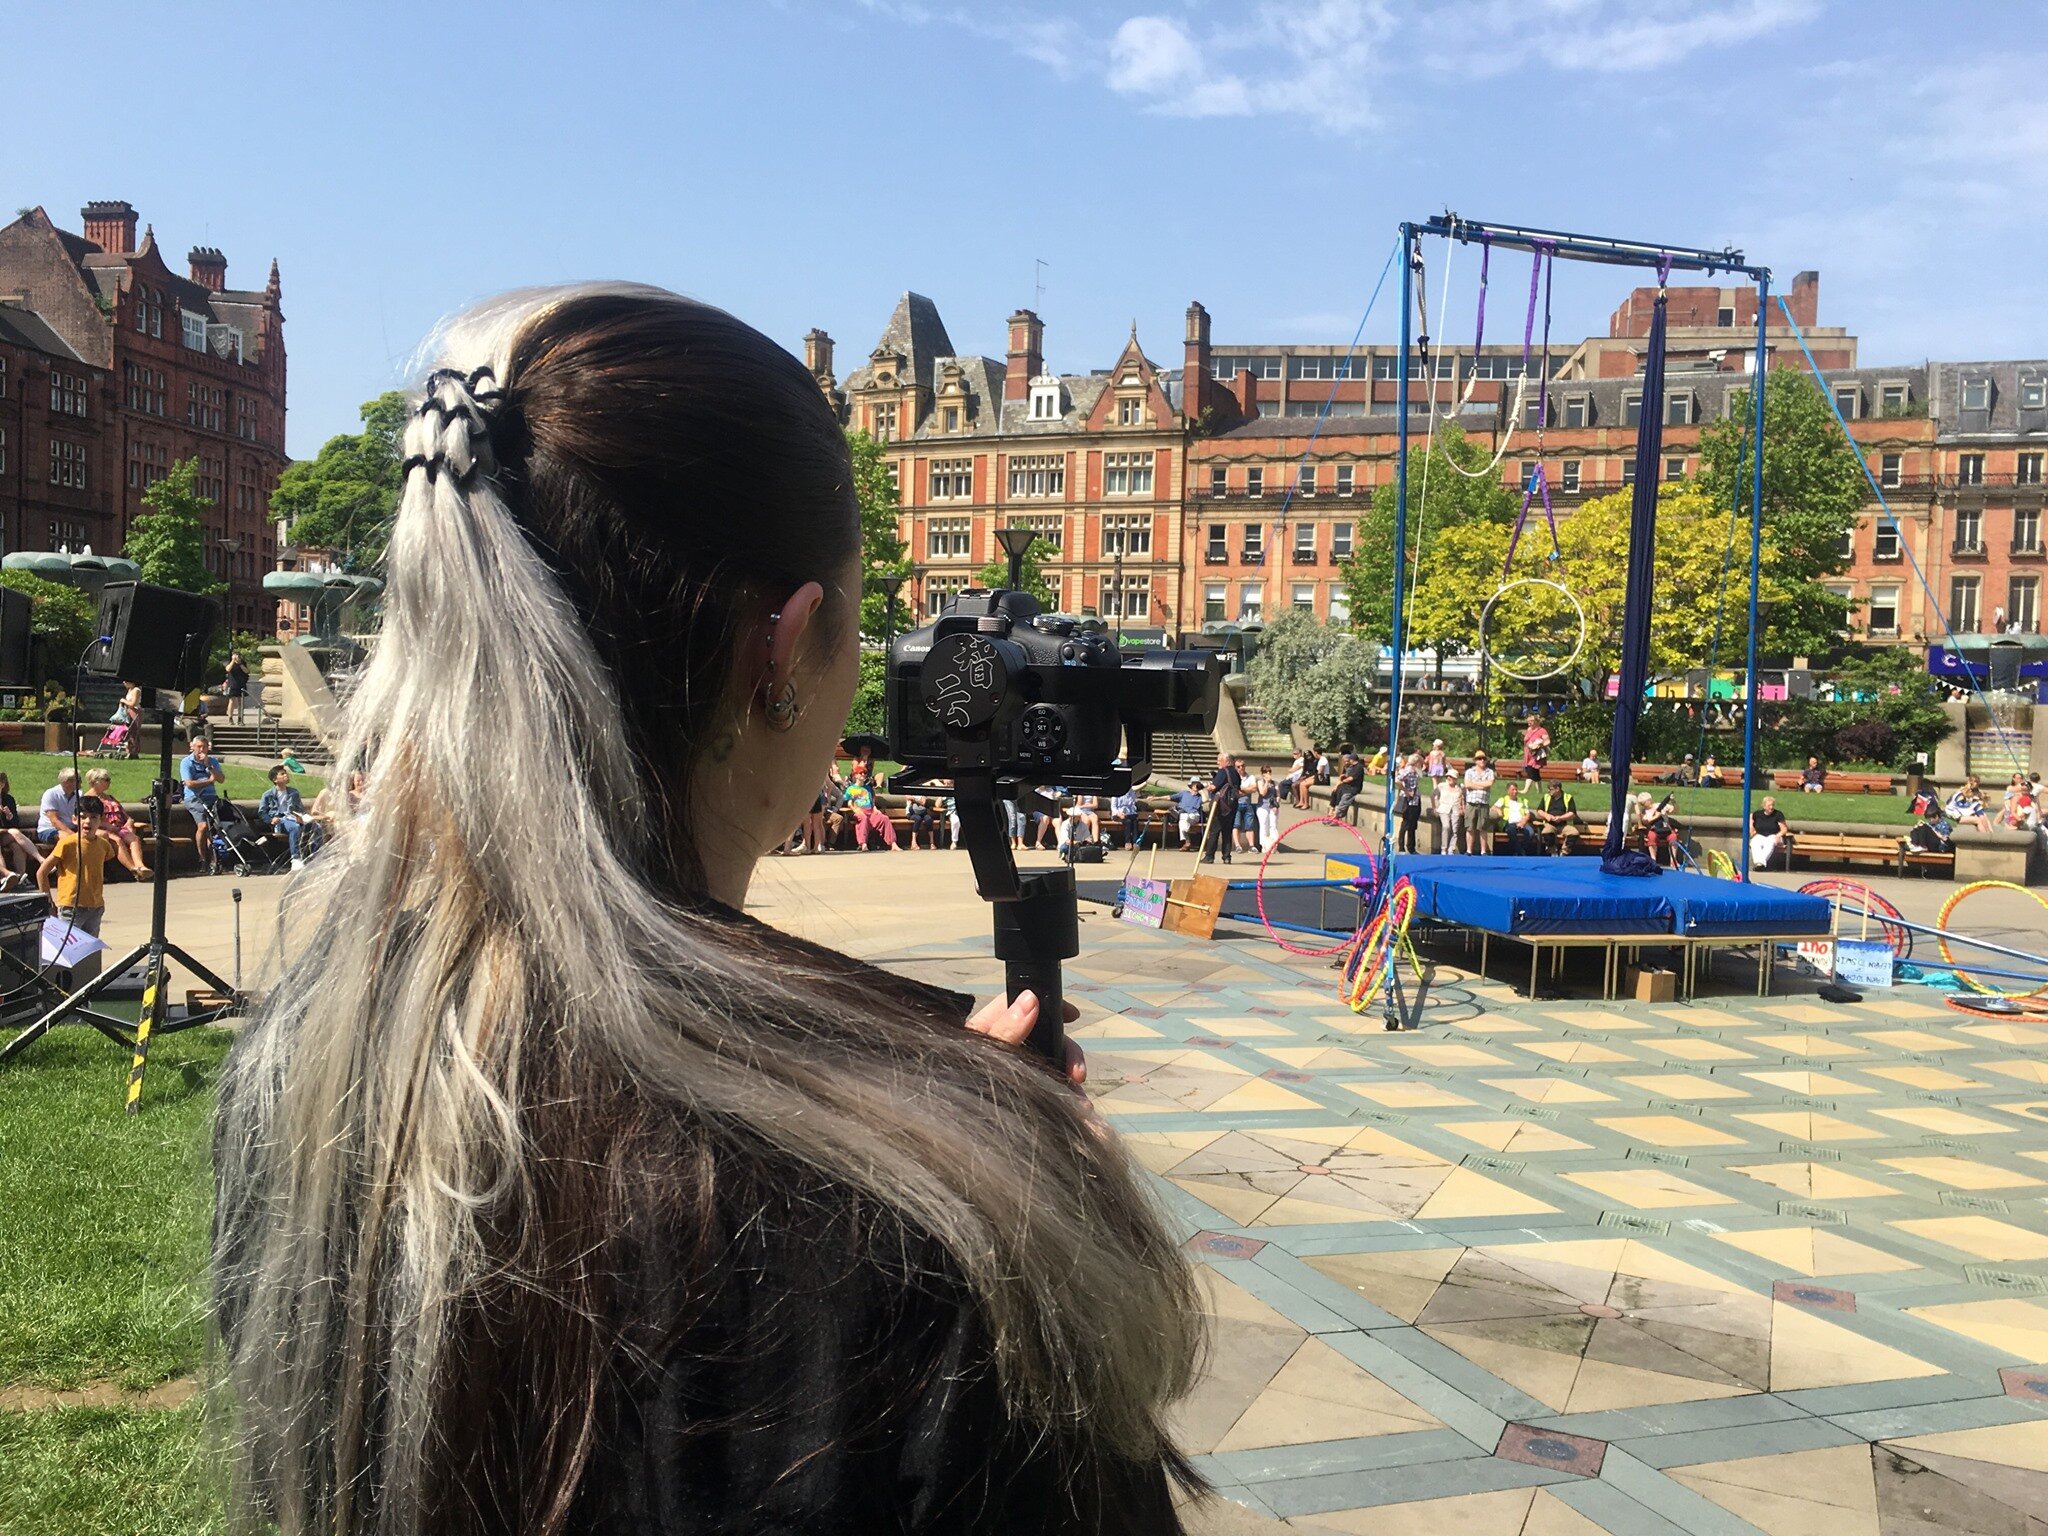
(9, 815)
(1766, 823)
(1225, 782)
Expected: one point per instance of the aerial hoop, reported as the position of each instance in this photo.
(1524, 663)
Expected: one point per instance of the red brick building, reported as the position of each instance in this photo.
(117, 368)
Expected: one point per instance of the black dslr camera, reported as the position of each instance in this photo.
(999, 697)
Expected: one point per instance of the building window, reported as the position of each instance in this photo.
(1306, 367)
(1969, 531)
(1251, 598)
(1889, 474)
(1724, 317)
(1496, 366)
(1977, 394)
(192, 330)
(1628, 471)
(3, 450)
(1892, 398)
(2026, 469)
(1127, 474)
(1305, 480)
(1678, 409)
(1045, 402)
(3, 378)
(1631, 409)
(2023, 604)
(1885, 544)
(1038, 474)
(949, 538)
(1845, 546)
(67, 464)
(1255, 481)
(1970, 469)
(1130, 412)
(1577, 408)
(1264, 367)
(882, 422)
(1133, 601)
(952, 479)
(67, 393)
(2034, 393)
(1304, 597)
(1219, 480)
(1340, 541)
(1344, 479)
(1525, 472)
(1674, 469)
(1849, 401)
(1304, 543)
(1213, 600)
(1962, 603)
(2026, 530)
(1222, 366)
(949, 419)
(1051, 529)
(1568, 477)
(1884, 611)
(939, 591)
(1217, 550)
(1254, 543)
(1128, 533)
(1340, 606)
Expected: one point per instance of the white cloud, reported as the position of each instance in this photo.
(1303, 60)
(1497, 37)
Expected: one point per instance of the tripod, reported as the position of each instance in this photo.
(158, 950)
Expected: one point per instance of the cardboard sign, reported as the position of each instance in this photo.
(1816, 957)
(1144, 902)
(1863, 962)
(65, 945)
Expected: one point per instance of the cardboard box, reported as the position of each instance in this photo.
(1652, 986)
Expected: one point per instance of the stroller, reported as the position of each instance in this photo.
(118, 742)
(241, 844)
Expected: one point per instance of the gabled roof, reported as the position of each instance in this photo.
(1079, 392)
(917, 335)
(26, 328)
(983, 378)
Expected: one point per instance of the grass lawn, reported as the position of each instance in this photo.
(103, 1241)
(30, 773)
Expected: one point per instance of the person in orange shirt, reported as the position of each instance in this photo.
(75, 865)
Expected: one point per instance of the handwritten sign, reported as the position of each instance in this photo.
(65, 945)
(1144, 902)
(1863, 962)
(1816, 957)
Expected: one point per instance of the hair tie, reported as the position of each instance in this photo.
(449, 397)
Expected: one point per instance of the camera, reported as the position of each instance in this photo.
(1056, 699)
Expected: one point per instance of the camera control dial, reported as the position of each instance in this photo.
(1042, 730)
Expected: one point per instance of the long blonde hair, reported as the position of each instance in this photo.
(516, 1017)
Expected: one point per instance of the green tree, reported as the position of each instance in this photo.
(884, 558)
(1454, 499)
(996, 574)
(62, 621)
(345, 497)
(1317, 676)
(1813, 490)
(169, 540)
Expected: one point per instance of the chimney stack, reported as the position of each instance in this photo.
(1027, 355)
(209, 268)
(818, 354)
(1804, 300)
(110, 225)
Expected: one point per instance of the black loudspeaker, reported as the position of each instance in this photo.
(14, 616)
(156, 637)
(2004, 658)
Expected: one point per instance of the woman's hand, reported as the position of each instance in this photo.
(1012, 1024)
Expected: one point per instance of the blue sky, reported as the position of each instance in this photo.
(803, 162)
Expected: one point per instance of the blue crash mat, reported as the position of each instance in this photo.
(1540, 897)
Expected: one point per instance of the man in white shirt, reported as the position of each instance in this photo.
(1478, 793)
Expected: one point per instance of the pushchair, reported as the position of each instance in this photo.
(241, 844)
(118, 742)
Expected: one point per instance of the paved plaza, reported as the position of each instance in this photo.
(1548, 1267)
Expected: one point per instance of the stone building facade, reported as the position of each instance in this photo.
(140, 368)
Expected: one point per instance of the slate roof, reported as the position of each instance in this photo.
(1079, 392)
(26, 328)
(916, 332)
(1384, 422)
(2004, 418)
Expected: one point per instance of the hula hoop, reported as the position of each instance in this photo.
(1259, 884)
(1486, 619)
(1941, 922)
(1720, 866)
(1890, 921)
(1376, 949)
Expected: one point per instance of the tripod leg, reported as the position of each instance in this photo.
(153, 992)
(31, 1033)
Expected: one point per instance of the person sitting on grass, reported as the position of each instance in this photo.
(1768, 832)
(1558, 823)
(73, 874)
(867, 817)
(283, 811)
(1589, 768)
(99, 783)
(58, 812)
(201, 774)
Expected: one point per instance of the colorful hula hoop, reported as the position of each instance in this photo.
(1941, 922)
(1377, 946)
(1259, 885)
(1720, 866)
(1890, 921)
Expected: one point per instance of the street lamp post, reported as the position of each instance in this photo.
(1118, 588)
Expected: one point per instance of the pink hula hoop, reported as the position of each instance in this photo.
(1259, 885)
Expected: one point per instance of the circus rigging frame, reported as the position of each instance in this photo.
(1662, 260)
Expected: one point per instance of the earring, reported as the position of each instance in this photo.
(781, 708)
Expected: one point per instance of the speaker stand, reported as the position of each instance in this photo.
(158, 950)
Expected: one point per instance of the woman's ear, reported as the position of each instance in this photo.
(786, 627)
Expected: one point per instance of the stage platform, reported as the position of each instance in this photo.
(1564, 897)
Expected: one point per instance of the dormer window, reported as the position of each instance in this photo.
(194, 330)
(1045, 399)
(1130, 411)
(1977, 394)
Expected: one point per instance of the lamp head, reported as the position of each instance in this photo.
(1016, 544)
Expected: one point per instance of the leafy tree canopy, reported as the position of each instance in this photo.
(169, 541)
(1813, 491)
(345, 497)
(62, 620)
(884, 558)
(1316, 676)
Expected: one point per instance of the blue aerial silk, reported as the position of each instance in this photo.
(1638, 599)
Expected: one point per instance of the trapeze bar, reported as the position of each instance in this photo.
(1950, 934)
(1626, 253)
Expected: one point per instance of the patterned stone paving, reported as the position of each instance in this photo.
(1550, 1268)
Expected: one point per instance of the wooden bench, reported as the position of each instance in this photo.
(1847, 847)
(1924, 859)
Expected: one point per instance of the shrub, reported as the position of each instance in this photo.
(1867, 741)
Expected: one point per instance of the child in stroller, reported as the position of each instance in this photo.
(239, 843)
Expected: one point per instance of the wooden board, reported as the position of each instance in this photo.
(1193, 905)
